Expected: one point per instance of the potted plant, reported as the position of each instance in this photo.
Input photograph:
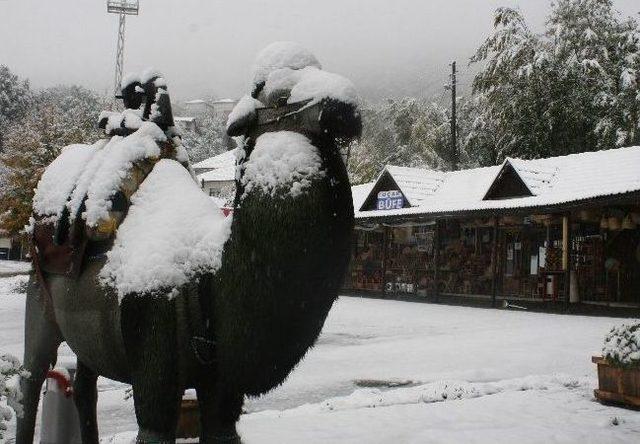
(619, 367)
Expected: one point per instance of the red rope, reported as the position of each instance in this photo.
(63, 383)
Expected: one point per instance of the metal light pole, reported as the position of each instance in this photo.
(455, 154)
(454, 120)
(122, 8)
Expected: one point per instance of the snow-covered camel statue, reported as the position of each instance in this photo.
(139, 272)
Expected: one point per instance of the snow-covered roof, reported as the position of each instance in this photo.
(551, 181)
(417, 184)
(224, 174)
(536, 176)
(359, 193)
(228, 158)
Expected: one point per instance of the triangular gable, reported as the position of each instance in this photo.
(394, 200)
(507, 185)
(539, 177)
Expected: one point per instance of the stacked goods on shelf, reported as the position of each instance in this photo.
(402, 262)
(589, 265)
(366, 266)
(554, 259)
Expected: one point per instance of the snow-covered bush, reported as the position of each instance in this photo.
(622, 346)
(10, 370)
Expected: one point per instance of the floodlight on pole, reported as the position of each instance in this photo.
(122, 8)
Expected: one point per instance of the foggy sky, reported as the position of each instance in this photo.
(206, 47)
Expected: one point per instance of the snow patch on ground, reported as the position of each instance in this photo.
(282, 161)
(438, 391)
(559, 415)
(172, 232)
(533, 371)
(7, 267)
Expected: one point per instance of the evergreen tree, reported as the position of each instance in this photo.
(407, 132)
(15, 97)
(573, 88)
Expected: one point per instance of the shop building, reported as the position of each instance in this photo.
(565, 229)
(11, 248)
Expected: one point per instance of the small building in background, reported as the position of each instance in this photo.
(224, 106)
(195, 107)
(186, 123)
(216, 176)
(198, 107)
(11, 248)
(193, 117)
(5, 246)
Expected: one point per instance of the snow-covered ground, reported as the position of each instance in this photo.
(401, 372)
(10, 267)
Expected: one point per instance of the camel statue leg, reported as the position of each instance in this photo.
(41, 340)
(149, 332)
(85, 396)
(219, 412)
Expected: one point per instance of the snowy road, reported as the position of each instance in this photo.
(457, 375)
(8, 268)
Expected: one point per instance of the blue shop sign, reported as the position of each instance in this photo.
(390, 200)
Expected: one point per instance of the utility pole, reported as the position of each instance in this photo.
(454, 123)
(122, 8)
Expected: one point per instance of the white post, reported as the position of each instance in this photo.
(60, 423)
(574, 294)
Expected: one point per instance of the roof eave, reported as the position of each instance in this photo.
(559, 207)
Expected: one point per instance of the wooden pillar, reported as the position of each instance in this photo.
(494, 263)
(436, 263)
(565, 242)
(566, 257)
(385, 248)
